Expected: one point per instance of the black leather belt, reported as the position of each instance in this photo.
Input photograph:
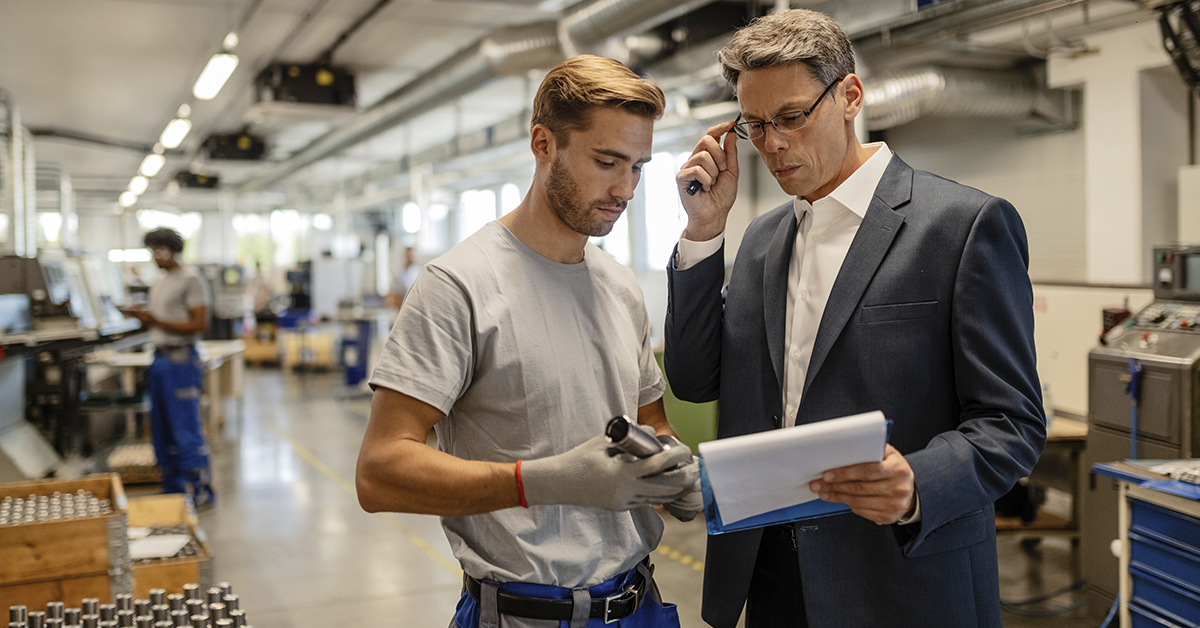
(615, 607)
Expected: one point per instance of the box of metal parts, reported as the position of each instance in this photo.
(168, 547)
(64, 540)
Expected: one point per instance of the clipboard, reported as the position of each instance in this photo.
(790, 514)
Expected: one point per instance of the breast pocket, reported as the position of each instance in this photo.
(898, 311)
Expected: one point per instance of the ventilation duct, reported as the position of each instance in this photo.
(504, 52)
(899, 97)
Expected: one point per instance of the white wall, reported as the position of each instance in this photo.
(1041, 175)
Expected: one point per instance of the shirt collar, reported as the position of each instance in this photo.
(856, 191)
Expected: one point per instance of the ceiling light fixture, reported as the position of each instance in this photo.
(138, 185)
(176, 130)
(127, 199)
(213, 78)
(151, 165)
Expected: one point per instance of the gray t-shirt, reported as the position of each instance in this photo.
(172, 298)
(528, 358)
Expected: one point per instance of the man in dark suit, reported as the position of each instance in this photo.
(879, 288)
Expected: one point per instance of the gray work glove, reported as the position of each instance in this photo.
(690, 502)
(588, 476)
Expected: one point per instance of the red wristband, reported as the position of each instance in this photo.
(521, 486)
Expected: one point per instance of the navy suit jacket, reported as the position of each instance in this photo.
(929, 320)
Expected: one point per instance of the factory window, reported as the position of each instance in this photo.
(476, 208)
(188, 225)
(665, 218)
(510, 197)
(289, 233)
(49, 227)
(252, 239)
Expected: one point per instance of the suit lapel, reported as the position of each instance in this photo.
(870, 245)
(775, 278)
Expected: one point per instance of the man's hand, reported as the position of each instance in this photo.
(145, 317)
(589, 476)
(879, 491)
(716, 169)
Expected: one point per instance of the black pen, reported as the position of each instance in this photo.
(693, 187)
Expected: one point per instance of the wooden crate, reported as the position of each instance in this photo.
(170, 573)
(66, 560)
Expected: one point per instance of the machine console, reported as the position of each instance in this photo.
(1167, 315)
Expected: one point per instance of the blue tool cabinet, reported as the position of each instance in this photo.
(1160, 559)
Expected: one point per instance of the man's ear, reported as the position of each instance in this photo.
(853, 88)
(541, 142)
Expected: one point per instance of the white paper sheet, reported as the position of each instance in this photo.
(160, 546)
(758, 473)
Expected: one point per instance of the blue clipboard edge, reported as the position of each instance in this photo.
(791, 514)
(1173, 487)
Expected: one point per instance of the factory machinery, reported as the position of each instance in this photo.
(1143, 383)
(219, 607)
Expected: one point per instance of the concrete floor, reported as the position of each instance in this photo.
(288, 533)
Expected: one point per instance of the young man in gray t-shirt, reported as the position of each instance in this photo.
(518, 346)
(176, 316)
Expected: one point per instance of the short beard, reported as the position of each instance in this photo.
(568, 204)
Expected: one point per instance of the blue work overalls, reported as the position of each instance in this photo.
(175, 384)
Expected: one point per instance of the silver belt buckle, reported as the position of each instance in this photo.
(608, 619)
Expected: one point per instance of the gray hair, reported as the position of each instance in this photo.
(795, 36)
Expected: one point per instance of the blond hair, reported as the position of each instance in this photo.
(575, 87)
(795, 36)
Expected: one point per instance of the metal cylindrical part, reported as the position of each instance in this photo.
(124, 602)
(191, 591)
(141, 608)
(54, 610)
(72, 616)
(18, 614)
(37, 619)
(179, 618)
(226, 588)
(217, 611)
(175, 601)
(108, 612)
(91, 606)
(223, 623)
(199, 621)
(90, 621)
(625, 435)
(144, 622)
(238, 617)
(14, 624)
(232, 602)
(214, 595)
(158, 596)
(125, 619)
(54, 622)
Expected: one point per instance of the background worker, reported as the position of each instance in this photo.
(177, 315)
(519, 345)
(878, 287)
(403, 281)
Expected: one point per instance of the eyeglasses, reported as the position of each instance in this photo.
(784, 122)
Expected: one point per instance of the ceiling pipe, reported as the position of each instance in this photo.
(69, 235)
(504, 52)
(895, 98)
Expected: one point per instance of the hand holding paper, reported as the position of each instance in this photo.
(879, 491)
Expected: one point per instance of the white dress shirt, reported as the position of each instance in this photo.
(825, 231)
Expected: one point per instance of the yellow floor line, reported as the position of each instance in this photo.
(679, 557)
(346, 486)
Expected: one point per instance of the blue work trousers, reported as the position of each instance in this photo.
(175, 385)
(651, 614)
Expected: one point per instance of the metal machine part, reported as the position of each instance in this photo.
(624, 434)
(1162, 342)
(128, 612)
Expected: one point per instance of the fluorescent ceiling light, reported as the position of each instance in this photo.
(151, 165)
(137, 255)
(176, 130)
(127, 199)
(411, 218)
(322, 222)
(116, 255)
(231, 41)
(213, 78)
(138, 185)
